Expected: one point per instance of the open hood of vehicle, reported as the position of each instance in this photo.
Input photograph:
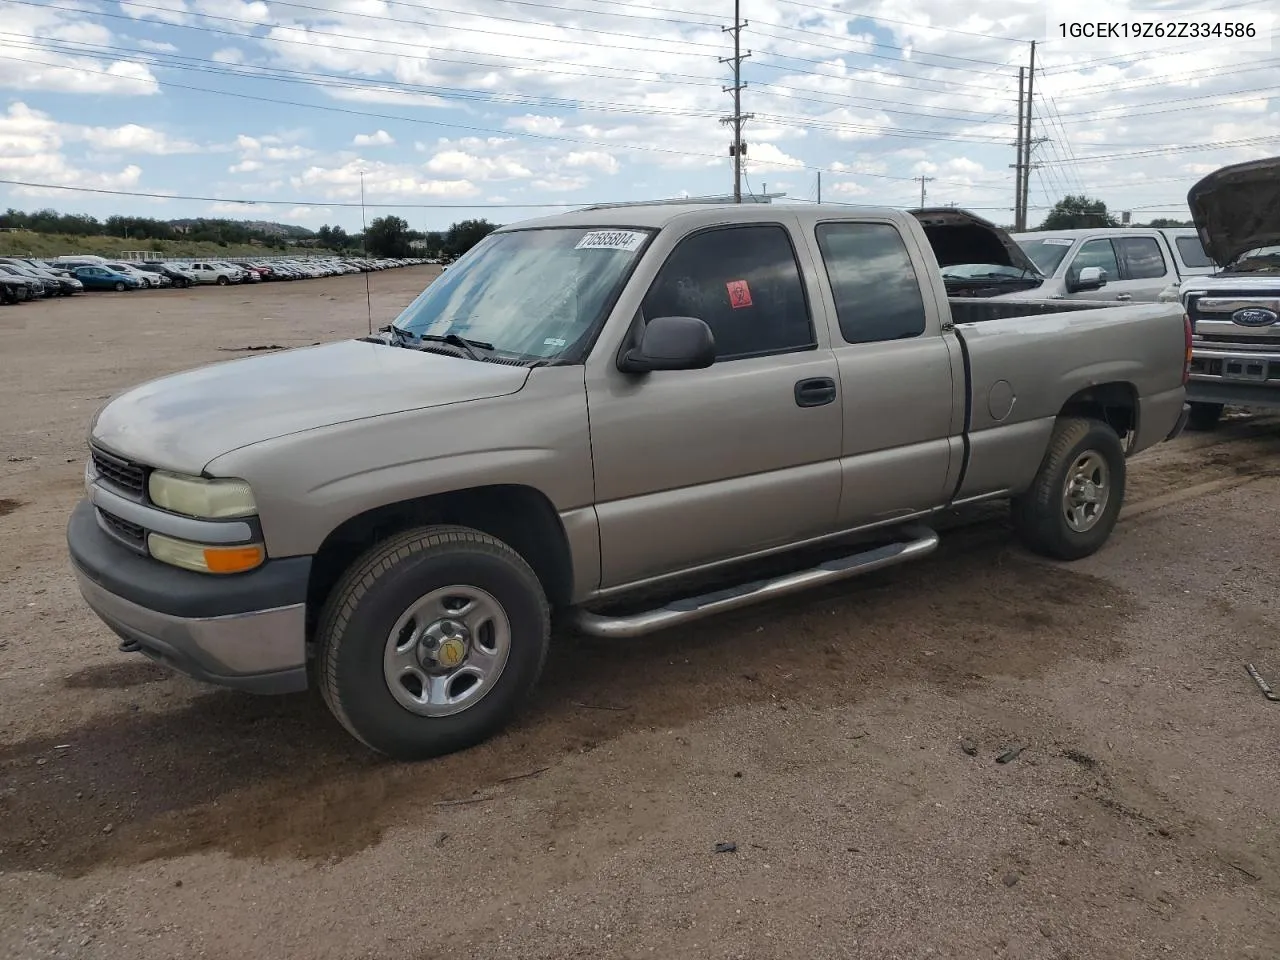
(958, 236)
(1237, 208)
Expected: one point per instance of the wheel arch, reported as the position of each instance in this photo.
(520, 516)
(1115, 403)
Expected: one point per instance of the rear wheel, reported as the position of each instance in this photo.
(431, 641)
(1074, 502)
(1204, 416)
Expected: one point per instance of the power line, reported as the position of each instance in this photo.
(315, 78)
(905, 23)
(479, 205)
(419, 47)
(609, 145)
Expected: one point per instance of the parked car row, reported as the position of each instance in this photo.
(28, 278)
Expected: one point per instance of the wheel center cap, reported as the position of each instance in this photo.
(444, 644)
(1090, 492)
(450, 653)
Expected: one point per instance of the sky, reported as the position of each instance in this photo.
(510, 109)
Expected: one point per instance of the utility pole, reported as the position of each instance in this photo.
(1026, 136)
(923, 180)
(737, 148)
(1018, 164)
(819, 186)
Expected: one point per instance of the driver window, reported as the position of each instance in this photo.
(744, 283)
(1097, 253)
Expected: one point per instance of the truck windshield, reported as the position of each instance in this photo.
(1046, 252)
(530, 293)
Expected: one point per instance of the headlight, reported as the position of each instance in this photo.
(197, 497)
(204, 558)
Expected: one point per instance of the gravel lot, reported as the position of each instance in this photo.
(142, 816)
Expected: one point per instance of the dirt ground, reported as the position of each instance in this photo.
(845, 740)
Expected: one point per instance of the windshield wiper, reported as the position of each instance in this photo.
(462, 343)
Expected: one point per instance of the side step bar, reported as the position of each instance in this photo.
(921, 542)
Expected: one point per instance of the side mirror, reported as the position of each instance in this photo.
(1088, 278)
(671, 343)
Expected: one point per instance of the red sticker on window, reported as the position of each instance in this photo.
(739, 293)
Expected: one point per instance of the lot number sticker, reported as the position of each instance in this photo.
(739, 293)
(627, 240)
(1057, 242)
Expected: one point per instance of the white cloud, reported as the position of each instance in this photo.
(460, 164)
(873, 103)
(379, 138)
(597, 159)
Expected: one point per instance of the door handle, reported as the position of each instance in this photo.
(815, 392)
(1124, 296)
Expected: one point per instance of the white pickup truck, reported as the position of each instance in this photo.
(1235, 313)
(1124, 264)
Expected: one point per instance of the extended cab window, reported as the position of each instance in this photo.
(744, 282)
(876, 289)
(1192, 252)
(1097, 253)
(1142, 258)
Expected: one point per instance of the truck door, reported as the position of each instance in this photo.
(1146, 266)
(902, 386)
(696, 466)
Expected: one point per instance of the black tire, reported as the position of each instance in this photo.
(1204, 416)
(356, 623)
(120, 286)
(223, 281)
(1039, 514)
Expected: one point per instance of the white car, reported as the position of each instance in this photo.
(149, 280)
(210, 271)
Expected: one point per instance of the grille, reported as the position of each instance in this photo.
(1194, 299)
(131, 533)
(1253, 343)
(127, 476)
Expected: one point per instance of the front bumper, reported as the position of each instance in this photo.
(244, 631)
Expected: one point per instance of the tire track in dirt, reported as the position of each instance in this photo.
(269, 778)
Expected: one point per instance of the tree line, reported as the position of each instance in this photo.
(1076, 211)
(388, 236)
(391, 236)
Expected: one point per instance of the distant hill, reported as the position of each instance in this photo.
(268, 227)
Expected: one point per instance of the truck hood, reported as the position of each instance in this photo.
(1237, 208)
(958, 236)
(183, 421)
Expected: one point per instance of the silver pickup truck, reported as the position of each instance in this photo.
(589, 409)
(1235, 314)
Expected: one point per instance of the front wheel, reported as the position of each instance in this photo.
(121, 286)
(431, 641)
(222, 281)
(1204, 416)
(1074, 501)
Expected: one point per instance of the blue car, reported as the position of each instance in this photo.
(102, 278)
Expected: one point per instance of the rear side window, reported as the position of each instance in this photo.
(744, 282)
(1143, 259)
(876, 289)
(1191, 250)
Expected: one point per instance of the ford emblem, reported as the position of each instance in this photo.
(1255, 317)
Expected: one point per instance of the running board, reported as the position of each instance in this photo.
(923, 541)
